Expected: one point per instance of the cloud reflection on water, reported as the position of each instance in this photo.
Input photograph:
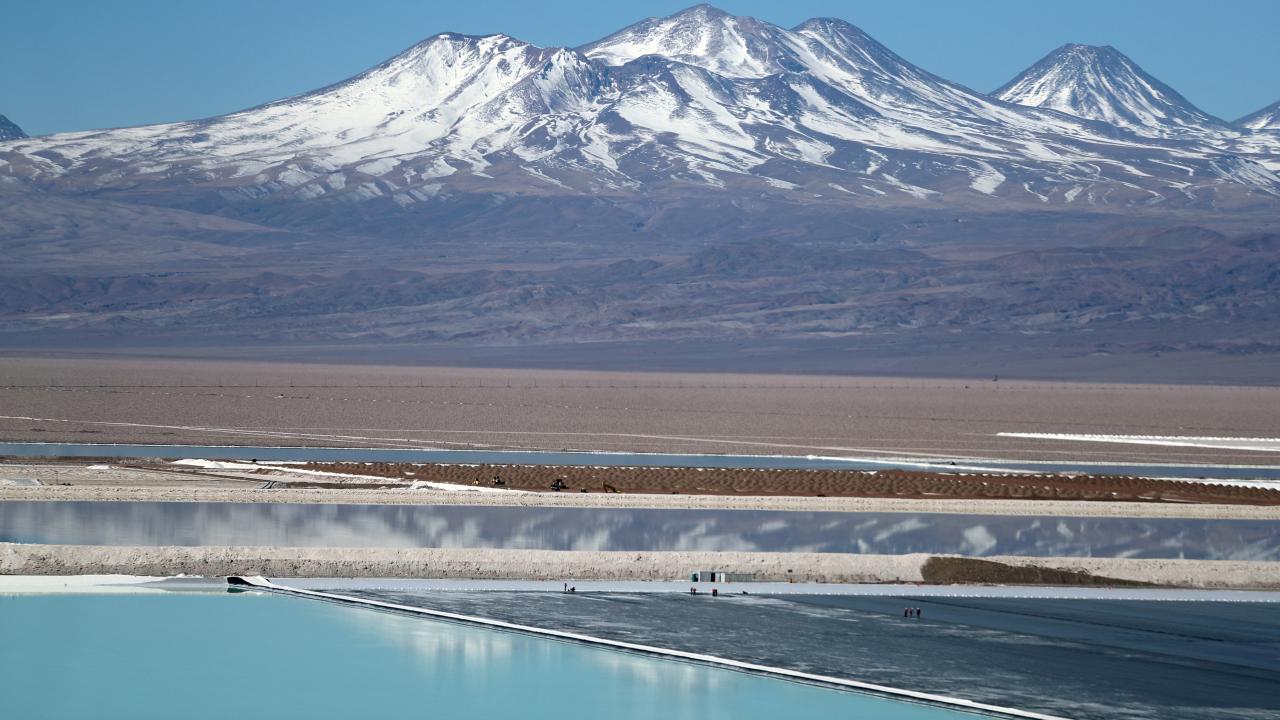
(405, 526)
(479, 652)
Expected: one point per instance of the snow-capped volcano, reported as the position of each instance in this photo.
(826, 50)
(9, 130)
(701, 101)
(450, 96)
(703, 36)
(689, 177)
(1268, 118)
(1101, 83)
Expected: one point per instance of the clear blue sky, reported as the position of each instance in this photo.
(73, 65)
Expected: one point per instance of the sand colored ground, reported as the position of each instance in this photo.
(115, 484)
(81, 474)
(594, 565)
(187, 402)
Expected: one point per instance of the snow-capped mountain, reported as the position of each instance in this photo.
(698, 102)
(451, 96)
(689, 177)
(1101, 83)
(1268, 118)
(9, 130)
(703, 36)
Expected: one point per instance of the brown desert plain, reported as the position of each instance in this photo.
(297, 404)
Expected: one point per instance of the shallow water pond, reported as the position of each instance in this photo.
(211, 656)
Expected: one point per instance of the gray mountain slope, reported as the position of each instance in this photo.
(1268, 118)
(9, 130)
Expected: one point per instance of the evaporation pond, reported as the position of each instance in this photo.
(627, 529)
(226, 655)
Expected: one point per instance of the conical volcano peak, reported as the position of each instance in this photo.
(831, 26)
(852, 44)
(1090, 51)
(457, 42)
(702, 11)
(1098, 82)
(9, 130)
(703, 36)
(444, 57)
(1093, 60)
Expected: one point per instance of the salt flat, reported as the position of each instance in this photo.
(197, 402)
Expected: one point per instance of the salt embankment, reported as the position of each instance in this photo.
(185, 492)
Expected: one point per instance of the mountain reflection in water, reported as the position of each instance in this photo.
(404, 526)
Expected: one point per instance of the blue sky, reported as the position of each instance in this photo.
(79, 65)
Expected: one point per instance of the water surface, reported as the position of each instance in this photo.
(605, 459)
(627, 529)
(1082, 659)
(219, 656)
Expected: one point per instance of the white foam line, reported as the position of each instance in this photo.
(1129, 463)
(1152, 437)
(699, 658)
(1218, 443)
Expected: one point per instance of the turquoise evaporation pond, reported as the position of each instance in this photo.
(204, 655)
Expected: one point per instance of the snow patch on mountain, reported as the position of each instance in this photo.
(699, 97)
(986, 178)
(703, 36)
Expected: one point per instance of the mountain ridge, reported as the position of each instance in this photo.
(700, 100)
(1267, 118)
(9, 130)
(748, 182)
(1102, 83)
